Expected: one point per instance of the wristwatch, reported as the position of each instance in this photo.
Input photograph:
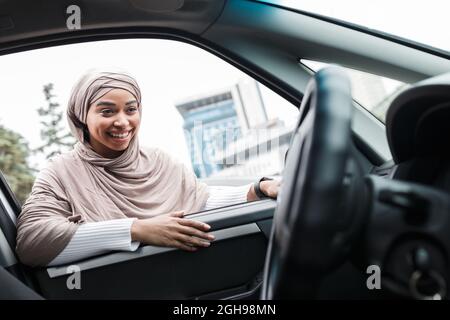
(259, 193)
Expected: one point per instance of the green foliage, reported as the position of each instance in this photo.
(14, 152)
(14, 149)
(56, 140)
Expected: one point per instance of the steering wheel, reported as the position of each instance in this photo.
(313, 222)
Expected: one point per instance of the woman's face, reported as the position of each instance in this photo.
(112, 121)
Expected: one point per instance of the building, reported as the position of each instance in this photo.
(261, 152)
(223, 128)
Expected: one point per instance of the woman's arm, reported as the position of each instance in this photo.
(44, 226)
(95, 238)
(221, 196)
(168, 230)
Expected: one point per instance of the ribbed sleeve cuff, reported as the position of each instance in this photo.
(225, 196)
(95, 238)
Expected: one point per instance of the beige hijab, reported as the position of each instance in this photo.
(82, 186)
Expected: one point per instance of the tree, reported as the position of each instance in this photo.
(56, 138)
(14, 152)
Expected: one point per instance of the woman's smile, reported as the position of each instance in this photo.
(120, 137)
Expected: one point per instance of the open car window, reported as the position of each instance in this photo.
(225, 126)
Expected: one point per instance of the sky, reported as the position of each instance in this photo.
(422, 21)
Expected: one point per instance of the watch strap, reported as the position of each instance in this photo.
(258, 191)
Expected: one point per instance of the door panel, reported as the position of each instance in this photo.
(231, 266)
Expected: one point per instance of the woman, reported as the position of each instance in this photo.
(111, 194)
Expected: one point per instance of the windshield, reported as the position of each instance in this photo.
(372, 92)
(424, 22)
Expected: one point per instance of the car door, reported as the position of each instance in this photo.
(230, 268)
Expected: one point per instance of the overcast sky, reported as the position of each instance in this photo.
(422, 21)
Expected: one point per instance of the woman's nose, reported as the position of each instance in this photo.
(121, 121)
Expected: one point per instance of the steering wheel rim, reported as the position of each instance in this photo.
(308, 234)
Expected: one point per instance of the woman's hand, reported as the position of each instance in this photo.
(172, 230)
(270, 188)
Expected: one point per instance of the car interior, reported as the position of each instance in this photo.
(356, 192)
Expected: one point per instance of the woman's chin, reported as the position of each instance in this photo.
(122, 147)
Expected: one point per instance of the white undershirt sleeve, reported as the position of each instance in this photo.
(221, 196)
(94, 238)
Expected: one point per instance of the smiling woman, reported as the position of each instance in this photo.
(111, 194)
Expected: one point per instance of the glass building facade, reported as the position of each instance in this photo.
(210, 122)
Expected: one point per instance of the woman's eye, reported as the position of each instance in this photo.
(132, 109)
(106, 111)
